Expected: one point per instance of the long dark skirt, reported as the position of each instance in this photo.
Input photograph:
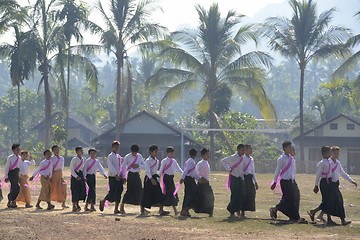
(238, 194)
(204, 202)
(115, 190)
(14, 184)
(190, 192)
(249, 202)
(152, 195)
(338, 208)
(296, 196)
(78, 189)
(170, 200)
(134, 191)
(1, 196)
(91, 182)
(289, 202)
(327, 199)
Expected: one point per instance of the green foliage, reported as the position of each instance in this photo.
(58, 131)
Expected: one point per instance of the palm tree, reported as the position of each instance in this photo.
(10, 12)
(210, 57)
(352, 42)
(305, 37)
(22, 55)
(126, 24)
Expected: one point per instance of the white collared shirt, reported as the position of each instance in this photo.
(150, 166)
(129, 159)
(338, 171)
(322, 167)
(172, 169)
(251, 168)
(10, 161)
(47, 172)
(203, 169)
(282, 162)
(61, 163)
(189, 164)
(96, 167)
(24, 170)
(230, 161)
(113, 165)
(75, 162)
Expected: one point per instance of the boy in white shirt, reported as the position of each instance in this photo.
(58, 185)
(91, 166)
(12, 169)
(77, 186)
(24, 196)
(204, 202)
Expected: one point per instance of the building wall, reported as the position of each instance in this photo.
(341, 131)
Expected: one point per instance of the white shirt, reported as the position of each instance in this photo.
(75, 162)
(96, 167)
(150, 166)
(251, 168)
(129, 159)
(47, 172)
(230, 161)
(282, 162)
(172, 169)
(203, 169)
(189, 164)
(338, 171)
(322, 167)
(60, 165)
(10, 161)
(113, 165)
(24, 170)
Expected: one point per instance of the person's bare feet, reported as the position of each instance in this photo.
(101, 206)
(185, 214)
(344, 223)
(38, 207)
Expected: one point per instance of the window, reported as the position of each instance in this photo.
(350, 126)
(333, 126)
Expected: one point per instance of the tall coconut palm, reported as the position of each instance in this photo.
(10, 12)
(22, 55)
(209, 57)
(127, 23)
(306, 36)
(353, 59)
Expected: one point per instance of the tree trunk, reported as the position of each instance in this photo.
(67, 100)
(47, 104)
(19, 117)
(302, 69)
(212, 126)
(118, 95)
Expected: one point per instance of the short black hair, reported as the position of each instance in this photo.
(170, 149)
(153, 147)
(47, 151)
(78, 148)
(54, 146)
(115, 143)
(204, 151)
(15, 145)
(91, 150)
(193, 152)
(240, 146)
(24, 152)
(325, 149)
(247, 146)
(286, 144)
(135, 148)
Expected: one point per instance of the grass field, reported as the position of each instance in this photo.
(24, 223)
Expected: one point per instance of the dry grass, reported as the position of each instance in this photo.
(24, 223)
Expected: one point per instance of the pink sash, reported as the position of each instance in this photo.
(162, 175)
(78, 167)
(37, 176)
(57, 162)
(333, 170)
(282, 172)
(11, 168)
(228, 183)
(92, 164)
(132, 164)
(147, 178)
(247, 166)
(178, 186)
(121, 173)
(327, 174)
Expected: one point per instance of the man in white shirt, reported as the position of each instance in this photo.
(250, 181)
(132, 165)
(24, 196)
(12, 169)
(234, 164)
(58, 185)
(77, 184)
(204, 202)
(286, 171)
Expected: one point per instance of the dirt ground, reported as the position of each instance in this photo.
(22, 223)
